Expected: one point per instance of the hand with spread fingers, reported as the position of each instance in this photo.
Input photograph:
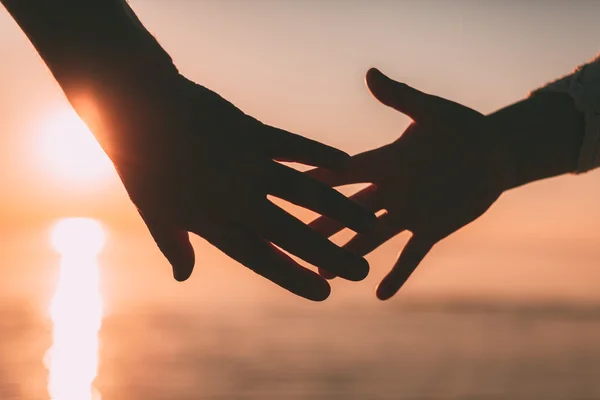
(207, 168)
(189, 159)
(441, 174)
(193, 162)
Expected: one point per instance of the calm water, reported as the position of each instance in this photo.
(419, 351)
(229, 335)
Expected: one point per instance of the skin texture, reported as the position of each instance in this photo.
(189, 159)
(449, 166)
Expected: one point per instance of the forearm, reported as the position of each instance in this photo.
(104, 60)
(540, 137)
(88, 40)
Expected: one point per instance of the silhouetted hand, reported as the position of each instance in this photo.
(441, 174)
(193, 162)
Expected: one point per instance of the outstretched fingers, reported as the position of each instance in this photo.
(413, 253)
(366, 198)
(282, 145)
(302, 190)
(386, 229)
(271, 263)
(289, 233)
(361, 244)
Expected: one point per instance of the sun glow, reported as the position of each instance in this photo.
(70, 150)
(76, 311)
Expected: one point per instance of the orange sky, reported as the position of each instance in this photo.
(300, 65)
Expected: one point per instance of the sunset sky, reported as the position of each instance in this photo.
(300, 65)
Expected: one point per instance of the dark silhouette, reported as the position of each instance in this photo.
(449, 166)
(189, 159)
(193, 162)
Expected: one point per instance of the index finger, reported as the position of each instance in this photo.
(282, 145)
(298, 188)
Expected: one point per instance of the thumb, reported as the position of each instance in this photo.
(397, 95)
(175, 245)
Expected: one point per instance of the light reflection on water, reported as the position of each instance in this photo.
(286, 348)
(76, 311)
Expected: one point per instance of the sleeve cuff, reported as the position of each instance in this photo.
(583, 85)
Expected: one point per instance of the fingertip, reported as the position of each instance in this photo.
(373, 73)
(321, 292)
(385, 290)
(380, 85)
(361, 271)
(375, 77)
(182, 274)
(182, 269)
(180, 278)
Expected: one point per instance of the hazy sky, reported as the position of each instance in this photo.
(300, 65)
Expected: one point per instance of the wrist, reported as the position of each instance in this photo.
(538, 137)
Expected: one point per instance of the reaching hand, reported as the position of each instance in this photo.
(441, 174)
(193, 162)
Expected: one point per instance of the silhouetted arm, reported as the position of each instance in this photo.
(539, 137)
(190, 160)
(453, 163)
(86, 39)
(583, 88)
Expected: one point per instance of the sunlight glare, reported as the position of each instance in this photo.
(70, 150)
(76, 311)
(78, 236)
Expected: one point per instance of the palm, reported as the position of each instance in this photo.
(440, 191)
(440, 175)
(193, 162)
